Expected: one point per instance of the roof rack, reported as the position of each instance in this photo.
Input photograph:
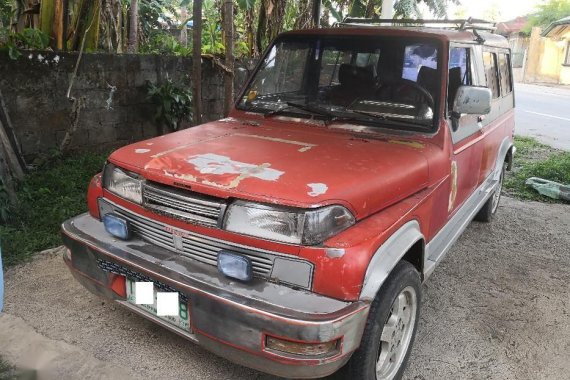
(460, 24)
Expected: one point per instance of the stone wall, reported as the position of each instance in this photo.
(34, 88)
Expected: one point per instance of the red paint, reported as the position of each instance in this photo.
(119, 285)
(94, 191)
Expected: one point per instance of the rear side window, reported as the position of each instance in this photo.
(505, 70)
(491, 73)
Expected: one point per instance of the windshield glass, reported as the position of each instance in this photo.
(364, 79)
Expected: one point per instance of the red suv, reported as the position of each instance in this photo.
(297, 231)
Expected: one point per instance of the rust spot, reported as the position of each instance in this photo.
(411, 144)
(453, 192)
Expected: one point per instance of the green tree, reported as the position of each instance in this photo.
(547, 13)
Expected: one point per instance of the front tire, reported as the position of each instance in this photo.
(391, 328)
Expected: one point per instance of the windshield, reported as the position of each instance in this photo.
(372, 80)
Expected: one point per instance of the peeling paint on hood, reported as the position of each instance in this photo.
(317, 189)
(223, 159)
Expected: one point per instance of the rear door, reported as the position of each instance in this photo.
(500, 121)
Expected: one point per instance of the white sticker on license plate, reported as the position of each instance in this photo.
(182, 320)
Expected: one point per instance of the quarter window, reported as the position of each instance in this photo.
(491, 73)
(505, 69)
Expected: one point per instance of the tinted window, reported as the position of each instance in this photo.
(491, 73)
(505, 69)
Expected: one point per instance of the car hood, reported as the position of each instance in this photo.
(288, 164)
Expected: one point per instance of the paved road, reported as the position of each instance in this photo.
(543, 112)
(496, 308)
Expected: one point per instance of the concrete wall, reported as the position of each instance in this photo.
(544, 59)
(35, 86)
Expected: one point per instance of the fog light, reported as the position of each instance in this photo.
(301, 348)
(116, 226)
(234, 265)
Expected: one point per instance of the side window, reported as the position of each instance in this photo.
(491, 73)
(459, 71)
(505, 70)
(567, 59)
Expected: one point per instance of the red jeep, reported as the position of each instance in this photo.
(298, 231)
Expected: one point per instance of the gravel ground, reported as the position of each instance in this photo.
(497, 307)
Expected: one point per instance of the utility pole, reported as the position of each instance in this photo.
(387, 9)
(229, 40)
(197, 60)
(316, 13)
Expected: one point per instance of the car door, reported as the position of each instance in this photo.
(466, 130)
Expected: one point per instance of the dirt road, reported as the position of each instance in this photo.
(497, 307)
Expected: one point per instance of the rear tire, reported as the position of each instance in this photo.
(490, 207)
(390, 329)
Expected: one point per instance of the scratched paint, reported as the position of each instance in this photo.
(142, 150)
(317, 189)
(334, 253)
(304, 146)
(216, 164)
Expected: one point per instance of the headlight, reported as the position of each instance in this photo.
(122, 184)
(308, 227)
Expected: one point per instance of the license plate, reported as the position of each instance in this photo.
(182, 320)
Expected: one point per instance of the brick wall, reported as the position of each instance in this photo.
(35, 86)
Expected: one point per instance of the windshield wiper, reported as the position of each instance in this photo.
(393, 119)
(305, 107)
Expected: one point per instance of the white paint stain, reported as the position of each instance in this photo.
(56, 59)
(317, 189)
(185, 177)
(142, 150)
(40, 57)
(211, 163)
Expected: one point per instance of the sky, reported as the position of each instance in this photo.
(488, 9)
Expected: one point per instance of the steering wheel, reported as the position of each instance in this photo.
(399, 83)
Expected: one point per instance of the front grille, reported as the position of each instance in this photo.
(183, 205)
(198, 247)
(110, 267)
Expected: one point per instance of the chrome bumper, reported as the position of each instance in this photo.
(227, 317)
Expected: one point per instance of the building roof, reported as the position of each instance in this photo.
(557, 28)
(512, 26)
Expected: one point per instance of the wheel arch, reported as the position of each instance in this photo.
(504, 154)
(408, 244)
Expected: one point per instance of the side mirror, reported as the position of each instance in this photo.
(472, 100)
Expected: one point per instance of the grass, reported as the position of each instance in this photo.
(53, 192)
(534, 159)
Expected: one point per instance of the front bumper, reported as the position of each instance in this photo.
(227, 317)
